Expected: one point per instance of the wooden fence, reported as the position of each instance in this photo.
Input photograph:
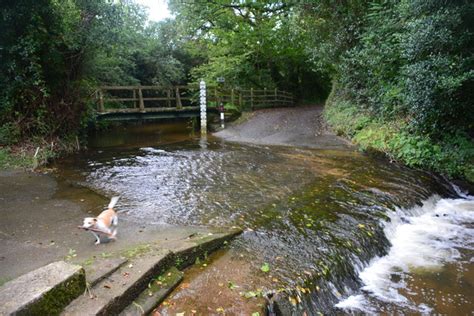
(160, 99)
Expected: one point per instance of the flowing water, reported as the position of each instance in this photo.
(326, 231)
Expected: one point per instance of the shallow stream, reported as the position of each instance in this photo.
(325, 230)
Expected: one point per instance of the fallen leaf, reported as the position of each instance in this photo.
(292, 300)
(265, 267)
(250, 294)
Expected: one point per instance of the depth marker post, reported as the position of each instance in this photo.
(202, 94)
(220, 101)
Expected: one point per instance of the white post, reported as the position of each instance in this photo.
(222, 120)
(202, 86)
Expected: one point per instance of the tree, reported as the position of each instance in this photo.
(251, 44)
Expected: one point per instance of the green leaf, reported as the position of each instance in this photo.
(265, 267)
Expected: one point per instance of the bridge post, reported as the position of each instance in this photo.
(140, 100)
(134, 97)
(101, 101)
(240, 100)
(251, 99)
(202, 94)
(179, 105)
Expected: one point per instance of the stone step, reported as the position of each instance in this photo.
(157, 291)
(102, 268)
(115, 292)
(44, 291)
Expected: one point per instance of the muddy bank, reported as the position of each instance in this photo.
(301, 126)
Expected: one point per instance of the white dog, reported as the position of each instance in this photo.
(105, 224)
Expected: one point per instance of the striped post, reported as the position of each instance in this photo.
(202, 93)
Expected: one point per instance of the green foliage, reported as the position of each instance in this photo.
(343, 111)
(452, 155)
(10, 160)
(404, 78)
(412, 59)
(9, 134)
(55, 53)
(251, 44)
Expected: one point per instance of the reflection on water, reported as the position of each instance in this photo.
(311, 214)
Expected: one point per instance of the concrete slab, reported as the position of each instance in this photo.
(45, 291)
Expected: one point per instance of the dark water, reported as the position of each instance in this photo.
(317, 218)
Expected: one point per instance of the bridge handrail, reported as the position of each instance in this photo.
(188, 94)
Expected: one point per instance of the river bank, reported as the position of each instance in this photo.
(451, 155)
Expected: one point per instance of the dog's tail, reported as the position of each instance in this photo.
(113, 201)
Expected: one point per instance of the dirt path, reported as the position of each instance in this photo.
(300, 126)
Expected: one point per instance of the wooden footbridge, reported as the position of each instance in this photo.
(154, 102)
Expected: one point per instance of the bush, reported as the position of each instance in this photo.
(414, 60)
(9, 134)
(452, 155)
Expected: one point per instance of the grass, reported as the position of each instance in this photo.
(13, 160)
(22, 155)
(453, 155)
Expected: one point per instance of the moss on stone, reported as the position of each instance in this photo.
(53, 302)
